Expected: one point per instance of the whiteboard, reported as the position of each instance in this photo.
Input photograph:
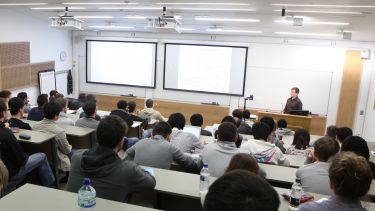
(271, 88)
(62, 82)
(47, 81)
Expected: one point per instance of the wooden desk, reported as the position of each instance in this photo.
(294, 122)
(38, 198)
(37, 143)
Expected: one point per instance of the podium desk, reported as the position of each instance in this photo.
(294, 122)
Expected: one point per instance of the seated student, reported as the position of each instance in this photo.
(80, 111)
(25, 98)
(197, 120)
(4, 176)
(158, 152)
(36, 113)
(237, 113)
(241, 190)
(88, 120)
(133, 112)
(122, 113)
(359, 146)
(314, 176)
(301, 143)
(245, 127)
(350, 179)
(48, 124)
(263, 151)
(112, 178)
(245, 162)
(231, 120)
(5, 94)
(272, 138)
(184, 141)
(150, 112)
(16, 110)
(342, 134)
(63, 117)
(17, 162)
(218, 155)
(282, 128)
(332, 132)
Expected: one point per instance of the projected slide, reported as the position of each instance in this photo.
(121, 63)
(204, 68)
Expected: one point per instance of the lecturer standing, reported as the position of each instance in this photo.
(293, 103)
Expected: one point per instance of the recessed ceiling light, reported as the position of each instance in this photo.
(234, 31)
(130, 8)
(135, 17)
(186, 29)
(199, 18)
(307, 34)
(203, 3)
(321, 12)
(112, 27)
(100, 3)
(57, 8)
(313, 22)
(23, 4)
(325, 5)
(212, 9)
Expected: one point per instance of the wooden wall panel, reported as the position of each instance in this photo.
(36, 67)
(350, 85)
(16, 76)
(109, 102)
(14, 53)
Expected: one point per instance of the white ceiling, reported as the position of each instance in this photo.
(361, 18)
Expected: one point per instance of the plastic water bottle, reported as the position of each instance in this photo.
(86, 196)
(204, 179)
(295, 195)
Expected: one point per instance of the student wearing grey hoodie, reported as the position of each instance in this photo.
(113, 178)
(263, 151)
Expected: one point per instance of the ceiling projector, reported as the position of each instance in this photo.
(164, 24)
(66, 21)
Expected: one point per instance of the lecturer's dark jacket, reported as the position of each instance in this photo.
(292, 104)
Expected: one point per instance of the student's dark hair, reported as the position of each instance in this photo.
(269, 121)
(343, 133)
(196, 120)
(51, 110)
(241, 190)
(237, 113)
(301, 139)
(53, 93)
(90, 97)
(282, 123)
(82, 97)
(111, 130)
(162, 129)
(3, 107)
(149, 103)
(350, 175)
(62, 101)
(243, 161)
(131, 106)
(237, 121)
(227, 131)
(228, 119)
(42, 100)
(177, 120)
(15, 104)
(122, 104)
(5, 94)
(357, 145)
(332, 131)
(89, 108)
(296, 89)
(325, 148)
(22, 95)
(261, 131)
(246, 114)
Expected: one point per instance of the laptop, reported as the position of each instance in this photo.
(196, 131)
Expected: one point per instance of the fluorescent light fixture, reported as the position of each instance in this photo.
(213, 9)
(112, 27)
(23, 4)
(138, 17)
(57, 8)
(186, 29)
(321, 12)
(234, 31)
(200, 18)
(203, 3)
(325, 5)
(314, 22)
(307, 34)
(94, 17)
(130, 8)
(100, 3)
